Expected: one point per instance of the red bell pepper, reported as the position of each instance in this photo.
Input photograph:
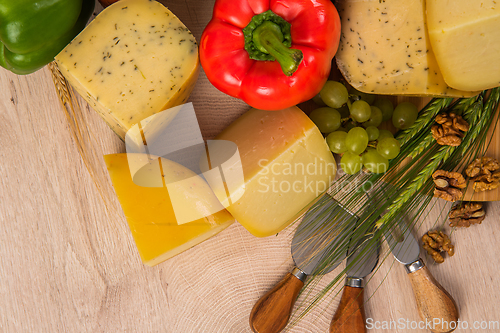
(272, 54)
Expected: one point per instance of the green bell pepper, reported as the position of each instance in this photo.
(33, 32)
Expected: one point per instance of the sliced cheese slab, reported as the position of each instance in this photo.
(134, 59)
(157, 215)
(465, 36)
(286, 165)
(384, 49)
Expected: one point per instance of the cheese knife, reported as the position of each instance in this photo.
(362, 259)
(318, 246)
(434, 303)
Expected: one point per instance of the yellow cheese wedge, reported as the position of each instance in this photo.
(465, 36)
(134, 59)
(286, 165)
(384, 49)
(157, 222)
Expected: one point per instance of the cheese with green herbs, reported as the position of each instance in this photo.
(384, 49)
(465, 36)
(134, 59)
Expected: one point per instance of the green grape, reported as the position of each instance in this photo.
(317, 99)
(383, 133)
(375, 118)
(344, 111)
(327, 119)
(351, 163)
(334, 94)
(360, 111)
(372, 132)
(385, 105)
(356, 140)
(404, 115)
(369, 98)
(375, 162)
(336, 142)
(388, 148)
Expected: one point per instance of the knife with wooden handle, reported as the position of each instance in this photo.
(319, 245)
(362, 259)
(434, 303)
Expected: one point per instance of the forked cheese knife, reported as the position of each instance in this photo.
(318, 246)
(434, 303)
(362, 259)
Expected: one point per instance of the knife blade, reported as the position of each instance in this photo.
(362, 259)
(435, 304)
(319, 245)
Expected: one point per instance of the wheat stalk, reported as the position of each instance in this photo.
(423, 145)
(79, 131)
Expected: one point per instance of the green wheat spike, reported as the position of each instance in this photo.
(424, 175)
(426, 142)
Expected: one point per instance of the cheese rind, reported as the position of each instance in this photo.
(286, 165)
(465, 36)
(134, 59)
(384, 49)
(150, 211)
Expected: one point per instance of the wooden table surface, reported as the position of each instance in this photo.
(68, 262)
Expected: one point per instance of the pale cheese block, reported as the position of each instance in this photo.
(156, 215)
(286, 166)
(384, 49)
(136, 58)
(465, 36)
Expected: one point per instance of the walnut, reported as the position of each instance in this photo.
(449, 185)
(466, 214)
(436, 242)
(485, 173)
(449, 129)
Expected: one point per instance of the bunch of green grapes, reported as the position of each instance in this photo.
(351, 122)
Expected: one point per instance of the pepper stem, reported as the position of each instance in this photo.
(268, 38)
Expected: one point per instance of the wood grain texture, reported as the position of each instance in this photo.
(350, 314)
(434, 303)
(68, 264)
(271, 312)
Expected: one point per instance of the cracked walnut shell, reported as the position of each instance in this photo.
(485, 172)
(436, 242)
(449, 185)
(466, 214)
(449, 129)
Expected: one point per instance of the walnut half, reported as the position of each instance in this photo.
(485, 172)
(449, 185)
(436, 242)
(466, 214)
(449, 129)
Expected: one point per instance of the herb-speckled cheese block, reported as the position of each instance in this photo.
(384, 49)
(134, 59)
(465, 36)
